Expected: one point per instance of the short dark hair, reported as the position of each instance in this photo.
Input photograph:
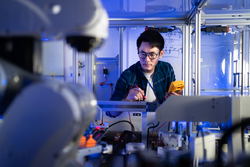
(153, 37)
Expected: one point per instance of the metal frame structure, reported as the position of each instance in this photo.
(197, 52)
(244, 60)
(163, 19)
(75, 65)
(186, 74)
(196, 9)
(184, 18)
(89, 71)
(121, 29)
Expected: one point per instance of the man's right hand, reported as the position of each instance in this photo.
(135, 94)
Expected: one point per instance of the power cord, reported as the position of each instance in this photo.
(132, 126)
(148, 131)
(243, 124)
(105, 72)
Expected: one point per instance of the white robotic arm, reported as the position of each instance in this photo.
(53, 19)
(43, 121)
(43, 124)
(23, 23)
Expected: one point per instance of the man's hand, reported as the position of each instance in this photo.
(135, 94)
(168, 94)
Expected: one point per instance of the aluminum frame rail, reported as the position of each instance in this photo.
(75, 65)
(195, 9)
(244, 61)
(197, 52)
(186, 71)
(125, 106)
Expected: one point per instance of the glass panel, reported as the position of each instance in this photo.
(221, 55)
(111, 45)
(225, 5)
(217, 59)
(175, 6)
(165, 5)
(173, 51)
(147, 5)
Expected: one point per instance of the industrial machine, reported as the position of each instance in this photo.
(202, 124)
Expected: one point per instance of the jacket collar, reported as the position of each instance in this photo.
(157, 68)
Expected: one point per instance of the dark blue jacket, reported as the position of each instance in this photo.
(163, 76)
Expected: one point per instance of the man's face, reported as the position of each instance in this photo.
(148, 65)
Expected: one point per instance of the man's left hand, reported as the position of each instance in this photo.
(168, 94)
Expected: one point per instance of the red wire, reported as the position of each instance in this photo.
(104, 83)
(161, 126)
(110, 84)
(142, 95)
(131, 88)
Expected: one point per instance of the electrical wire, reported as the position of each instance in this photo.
(109, 114)
(131, 88)
(151, 123)
(243, 124)
(169, 125)
(110, 84)
(93, 131)
(153, 127)
(126, 137)
(132, 126)
(104, 132)
(104, 82)
(100, 136)
(161, 126)
(197, 133)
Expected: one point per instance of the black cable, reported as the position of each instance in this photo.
(93, 131)
(98, 134)
(151, 123)
(169, 126)
(151, 128)
(132, 126)
(126, 133)
(243, 124)
(126, 137)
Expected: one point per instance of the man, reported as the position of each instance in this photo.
(148, 79)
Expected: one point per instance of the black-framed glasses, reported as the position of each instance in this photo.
(151, 55)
